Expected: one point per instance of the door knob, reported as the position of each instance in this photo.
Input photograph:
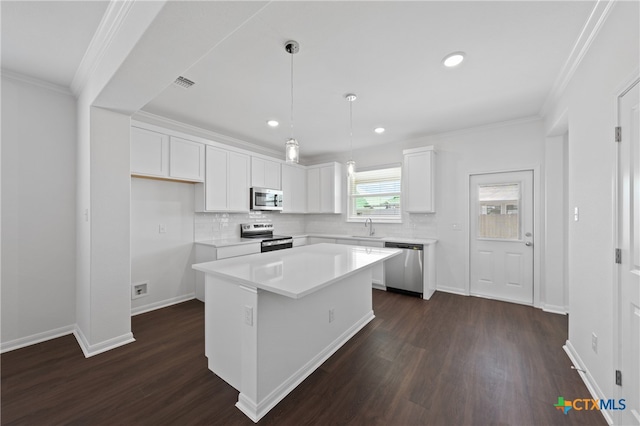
(528, 243)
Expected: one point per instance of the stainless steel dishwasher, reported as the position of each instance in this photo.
(404, 273)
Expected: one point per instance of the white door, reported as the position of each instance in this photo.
(501, 236)
(629, 245)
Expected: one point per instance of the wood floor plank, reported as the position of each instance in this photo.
(452, 360)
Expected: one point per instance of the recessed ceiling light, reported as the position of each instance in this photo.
(272, 123)
(453, 59)
(379, 130)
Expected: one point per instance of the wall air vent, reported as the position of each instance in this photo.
(184, 82)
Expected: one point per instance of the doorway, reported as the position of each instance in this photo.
(501, 236)
(628, 254)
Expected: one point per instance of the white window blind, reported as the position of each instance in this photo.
(375, 194)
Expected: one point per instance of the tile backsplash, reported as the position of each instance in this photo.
(210, 226)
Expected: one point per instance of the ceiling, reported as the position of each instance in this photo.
(389, 53)
(48, 39)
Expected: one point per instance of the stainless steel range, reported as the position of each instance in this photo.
(264, 232)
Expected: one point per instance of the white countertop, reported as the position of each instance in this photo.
(224, 242)
(298, 271)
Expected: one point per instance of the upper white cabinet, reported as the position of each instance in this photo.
(325, 183)
(158, 155)
(186, 159)
(294, 189)
(418, 193)
(149, 153)
(226, 187)
(265, 173)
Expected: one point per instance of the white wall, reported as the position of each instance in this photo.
(590, 101)
(162, 259)
(503, 146)
(38, 213)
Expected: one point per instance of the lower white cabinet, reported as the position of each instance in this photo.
(226, 186)
(208, 253)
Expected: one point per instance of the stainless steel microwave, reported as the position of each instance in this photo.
(266, 199)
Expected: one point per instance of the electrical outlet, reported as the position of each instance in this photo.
(331, 315)
(139, 290)
(162, 228)
(594, 342)
(248, 315)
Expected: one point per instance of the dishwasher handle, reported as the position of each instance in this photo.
(405, 246)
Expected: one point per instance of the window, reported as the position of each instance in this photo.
(375, 194)
(499, 217)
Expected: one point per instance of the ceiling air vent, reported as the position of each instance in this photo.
(184, 82)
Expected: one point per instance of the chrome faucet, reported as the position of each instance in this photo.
(371, 230)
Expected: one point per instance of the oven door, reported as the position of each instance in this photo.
(266, 199)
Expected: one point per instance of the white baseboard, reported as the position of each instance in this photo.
(452, 290)
(36, 338)
(554, 309)
(95, 349)
(255, 411)
(379, 286)
(587, 378)
(162, 304)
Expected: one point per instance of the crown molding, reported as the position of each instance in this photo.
(588, 34)
(109, 26)
(22, 78)
(161, 121)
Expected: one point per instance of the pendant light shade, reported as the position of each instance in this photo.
(292, 149)
(351, 165)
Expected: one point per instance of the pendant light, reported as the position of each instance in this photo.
(351, 165)
(291, 147)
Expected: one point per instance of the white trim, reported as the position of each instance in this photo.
(256, 411)
(22, 78)
(631, 81)
(588, 34)
(108, 28)
(554, 309)
(36, 338)
(90, 350)
(162, 304)
(587, 378)
(452, 290)
(144, 119)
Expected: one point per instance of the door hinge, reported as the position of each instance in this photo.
(618, 255)
(618, 377)
(618, 134)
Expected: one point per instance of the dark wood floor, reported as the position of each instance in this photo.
(453, 360)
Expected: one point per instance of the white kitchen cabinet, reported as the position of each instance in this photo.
(226, 186)
(208, 253)
(186, 159)
(149, 153)
(378, 270)
(418, 195)
(319, 240)
(325, 183)
(265, 173)
(300, 241)
(294, 189)
(158, 155)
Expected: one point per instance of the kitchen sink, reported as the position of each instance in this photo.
(373, 237)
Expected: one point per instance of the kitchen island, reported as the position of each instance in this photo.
(272, 318)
